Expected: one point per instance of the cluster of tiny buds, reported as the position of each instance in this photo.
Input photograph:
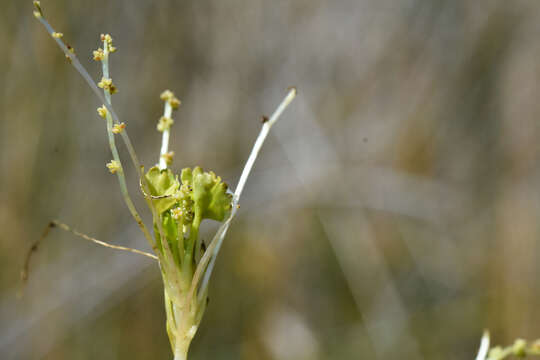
(107, 40)
(184, 210)
(99, 54)
(70, 49)
(176, 213)
(102, 111)
(107, 84)
(168, 96)
(57, 35)
(164, 123)
(37, 12)
(118, 128)
(168, 157)
(113, 166)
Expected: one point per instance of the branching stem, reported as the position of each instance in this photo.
(206, 264)
(106, 102)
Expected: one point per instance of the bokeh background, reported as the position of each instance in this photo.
(393, 212)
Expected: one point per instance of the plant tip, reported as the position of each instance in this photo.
(169, 97)
(293, 90)
(38, 13)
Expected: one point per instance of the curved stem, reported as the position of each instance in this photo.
(206, 265)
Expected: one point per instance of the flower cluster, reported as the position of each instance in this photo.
(169, 97)
(107, 84)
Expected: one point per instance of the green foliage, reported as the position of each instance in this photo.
(209, 194)
(162, 184)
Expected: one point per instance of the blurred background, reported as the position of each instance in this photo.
(393, 212)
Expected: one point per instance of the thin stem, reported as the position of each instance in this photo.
(209, 257)
(112, 144)
(99, 242)
(86, 76)
(56, 223)
(260, 141)
(167, 112)
(187, 268)
(155, 216)
(484, 346)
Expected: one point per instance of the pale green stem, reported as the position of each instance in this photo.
(180, 231)
(210, 255)
(187, 266)
(165, 245)
(112, 144)
(484, 346)
(180, 354)
(84, 74)
(167, 112)
(82, 71)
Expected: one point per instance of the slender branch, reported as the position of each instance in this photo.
(112, 144)
(142, 178)
(167, 112)
(209, 257)
(86, 76)
(484, 346)
(103, 243)
(56, 223)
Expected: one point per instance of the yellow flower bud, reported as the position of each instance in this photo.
(113, 166)
(107, 84)
(102, 111)
(166, 95)
(118, 128)
(164, 123)
(99, 54)
(168, 157)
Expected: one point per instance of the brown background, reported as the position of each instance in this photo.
(393, 212)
